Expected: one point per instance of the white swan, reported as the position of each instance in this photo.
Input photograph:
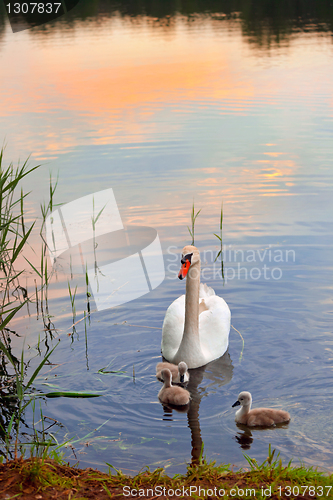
(172, 394)
(258, 416)
(196, 325)
(179, 373)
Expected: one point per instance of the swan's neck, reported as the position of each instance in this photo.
(190, 348)
(191, 326)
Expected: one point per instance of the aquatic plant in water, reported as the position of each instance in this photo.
(14, 236)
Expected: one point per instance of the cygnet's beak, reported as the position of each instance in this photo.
(236, 404)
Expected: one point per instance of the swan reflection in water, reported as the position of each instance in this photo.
(218, 373)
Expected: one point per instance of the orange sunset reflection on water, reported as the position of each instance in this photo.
(201, 87)
(120, 103)
(116, 84)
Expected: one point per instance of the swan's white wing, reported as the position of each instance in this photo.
(173, 327)
(214, 325)
(205, 291)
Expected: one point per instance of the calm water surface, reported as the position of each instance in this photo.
(166, 111)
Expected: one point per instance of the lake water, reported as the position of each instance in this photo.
(167, 109)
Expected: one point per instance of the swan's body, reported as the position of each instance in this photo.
(172, 394)
(258, 416)
(179, 373)
(196, 325)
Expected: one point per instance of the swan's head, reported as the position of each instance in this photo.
(190, 256)
(244, 399)
(182, 368)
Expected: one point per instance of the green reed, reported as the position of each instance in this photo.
(88, 294)
(94, 221)
(22, 391)
(220, 254)
(14, 236)
(72, 297)
(193, 219)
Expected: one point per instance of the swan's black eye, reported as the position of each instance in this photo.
(186, 257)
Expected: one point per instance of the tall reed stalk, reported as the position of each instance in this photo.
(14, 235)
(220, 254)
(193, 219)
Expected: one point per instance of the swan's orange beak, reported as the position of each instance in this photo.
(184, 269)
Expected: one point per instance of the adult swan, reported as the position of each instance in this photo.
(196, 325)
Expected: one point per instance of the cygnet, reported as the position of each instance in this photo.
(179, 373)
(171, 394)
(258, 416)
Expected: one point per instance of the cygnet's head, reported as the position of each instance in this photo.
(190, 256)
(182, 368)
(244, 399)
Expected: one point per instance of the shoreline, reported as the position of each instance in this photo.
(48, 479)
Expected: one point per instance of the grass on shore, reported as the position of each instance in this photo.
(46, 479)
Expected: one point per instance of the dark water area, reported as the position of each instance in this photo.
(169, 104)
(263, 22)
